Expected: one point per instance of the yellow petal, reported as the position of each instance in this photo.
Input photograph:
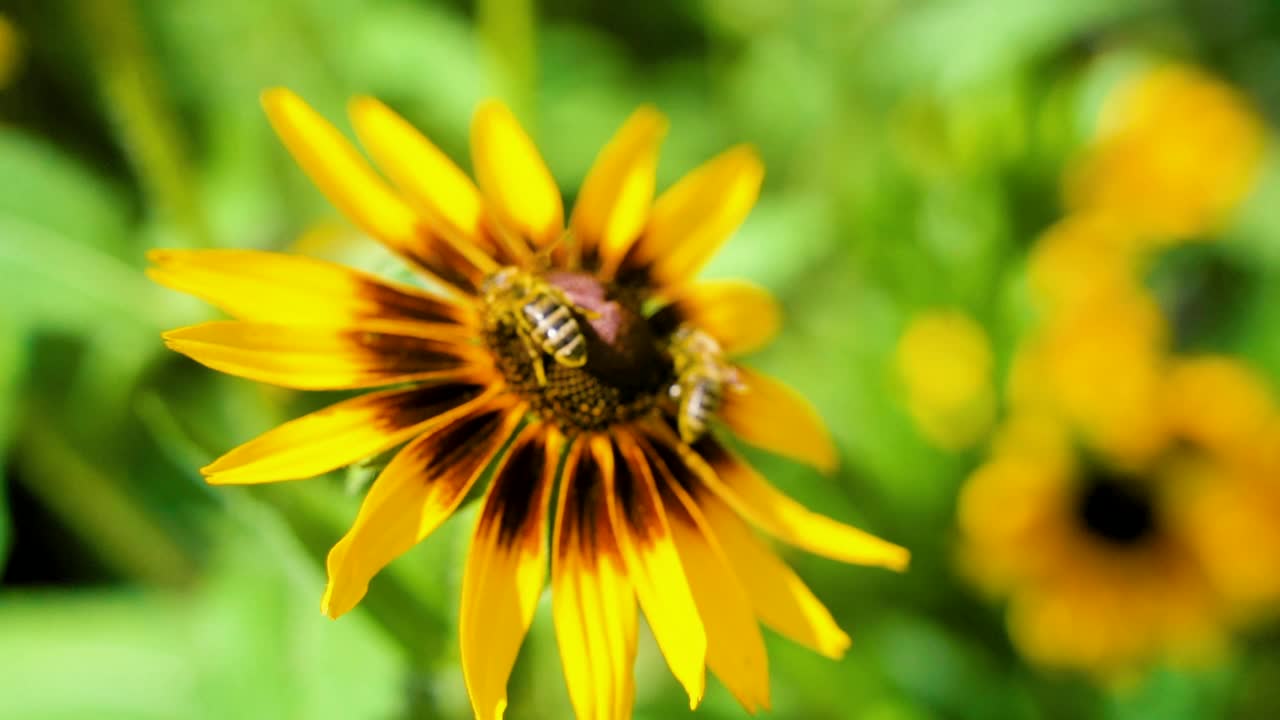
(741, 316)
(695, 216)
(780, 598)
(413, 495)
(770, 415)
(312, 358)
(644, 535)
(506, 567)
(429, 179)
(614, 201)
(425, 174)
(513, 175)
(735, 647)
(342, 174)
(296, 290)
(592, 599)
(344, 433)
(1220, 403)
(738, 484)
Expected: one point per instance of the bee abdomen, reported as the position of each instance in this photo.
(556, 331)
(701, 402)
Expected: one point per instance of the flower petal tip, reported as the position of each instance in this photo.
(274, 98)
(327, 607)
(897, 559)
(362, 109)
(160, 256)
(650, 115)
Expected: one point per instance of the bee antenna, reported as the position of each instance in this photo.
(542, 261)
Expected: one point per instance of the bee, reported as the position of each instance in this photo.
(544, 317)
(702, 378)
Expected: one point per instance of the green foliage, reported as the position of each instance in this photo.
(913, 152)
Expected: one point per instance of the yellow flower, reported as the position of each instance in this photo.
(10, 55)
(945, 363)
(551, 339)
(1100, 366)
(1112, 562)
(1217, 403)
(1177, 151)
(1082, 259)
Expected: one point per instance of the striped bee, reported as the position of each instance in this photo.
(702, 377)
(544, 317)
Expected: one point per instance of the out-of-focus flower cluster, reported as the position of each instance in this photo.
(1126, 509)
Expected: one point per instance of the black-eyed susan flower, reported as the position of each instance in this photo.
(546, 351)
(945, 364)
(1111, 562)
(1176, 150)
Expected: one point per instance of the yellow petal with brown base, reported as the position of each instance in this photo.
(312, 358)
(335, 166)
(413, 495)
(506, 567)
(741, 316)
(430, 181)
(652, 562)
(735, 647)
(738, 484)
(423, 173)
(592, 599)
(513, 175)
(344, 433)
(692, 219)
(292, 289)
(780, 598)
(770, 415)
(614, 201)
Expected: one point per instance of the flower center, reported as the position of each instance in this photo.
(1116, 508)
(625, 372)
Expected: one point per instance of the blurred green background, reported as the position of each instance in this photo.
(914, 152)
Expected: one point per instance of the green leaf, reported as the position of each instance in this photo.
(48, 189)
(13, 362)
(248, 641)
(53, 279)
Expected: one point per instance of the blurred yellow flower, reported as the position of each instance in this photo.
(1098, 365)
(945, 364)
(1081, 259)
(546, 357)
(1177, 150)
(1219, 404)
(1111, 562)
(10, 51)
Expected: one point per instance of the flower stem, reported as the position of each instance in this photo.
(144, 122)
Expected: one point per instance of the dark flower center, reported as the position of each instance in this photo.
(1116, 508)
(626, 371)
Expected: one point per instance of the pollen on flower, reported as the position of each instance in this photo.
(626, 372)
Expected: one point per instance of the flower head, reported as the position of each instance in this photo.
(584, 354)
(1177, 151)
(1115, 555)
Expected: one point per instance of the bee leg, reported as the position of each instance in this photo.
(687, 432)
(539, 370)
(535, 358)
